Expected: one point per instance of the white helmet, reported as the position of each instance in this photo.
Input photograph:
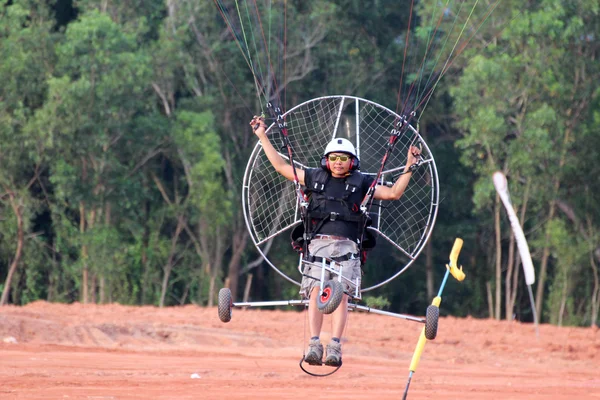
(340, 145)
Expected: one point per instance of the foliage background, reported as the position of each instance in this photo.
(124, 136)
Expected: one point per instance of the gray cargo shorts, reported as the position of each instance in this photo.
(331, 248)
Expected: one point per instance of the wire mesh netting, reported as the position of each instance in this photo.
(270, 201)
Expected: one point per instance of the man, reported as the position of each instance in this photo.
(337, 188)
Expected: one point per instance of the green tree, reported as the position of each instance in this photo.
(93, 102)
(26, 48)
(522, 109)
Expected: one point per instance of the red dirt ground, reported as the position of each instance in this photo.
(57, 351)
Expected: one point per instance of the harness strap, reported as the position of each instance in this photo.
(345, 257)
(332, 216)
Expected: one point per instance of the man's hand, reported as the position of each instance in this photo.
(414, 153)
(258, 125)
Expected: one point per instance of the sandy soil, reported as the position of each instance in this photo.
(54, 351)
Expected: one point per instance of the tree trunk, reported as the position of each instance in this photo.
(52, 280)
(498, 258)
(84, 255)
(212, 249)
(17, 209)
(563, 300)
(429, 270)
(596, 291)
(217, 264)
(488, 287)
(429, 275)
(240, 238)
(93, 285)
(102, 277)
(169, 264)
(102, 289)
(539, 296)
(144, 259)
(186, 291)
(247, 288)
(515, 282)
(93, 276)
(508, 279)
(211, 290)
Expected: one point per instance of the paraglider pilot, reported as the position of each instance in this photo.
(336, 189)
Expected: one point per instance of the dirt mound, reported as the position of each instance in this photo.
(53, 351)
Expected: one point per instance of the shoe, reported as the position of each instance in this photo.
(314, 356)
(334, 354)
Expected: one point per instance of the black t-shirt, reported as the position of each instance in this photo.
(338, 185)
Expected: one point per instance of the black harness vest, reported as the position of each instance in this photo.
(329, 203)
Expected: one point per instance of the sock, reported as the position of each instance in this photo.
(335, 339)
(314, 338)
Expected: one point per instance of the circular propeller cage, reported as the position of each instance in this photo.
(270, 203)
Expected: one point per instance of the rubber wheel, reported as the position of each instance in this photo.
(431, 322)
(330, 299)
(225, 305)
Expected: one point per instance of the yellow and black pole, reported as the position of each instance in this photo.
(430, 329)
